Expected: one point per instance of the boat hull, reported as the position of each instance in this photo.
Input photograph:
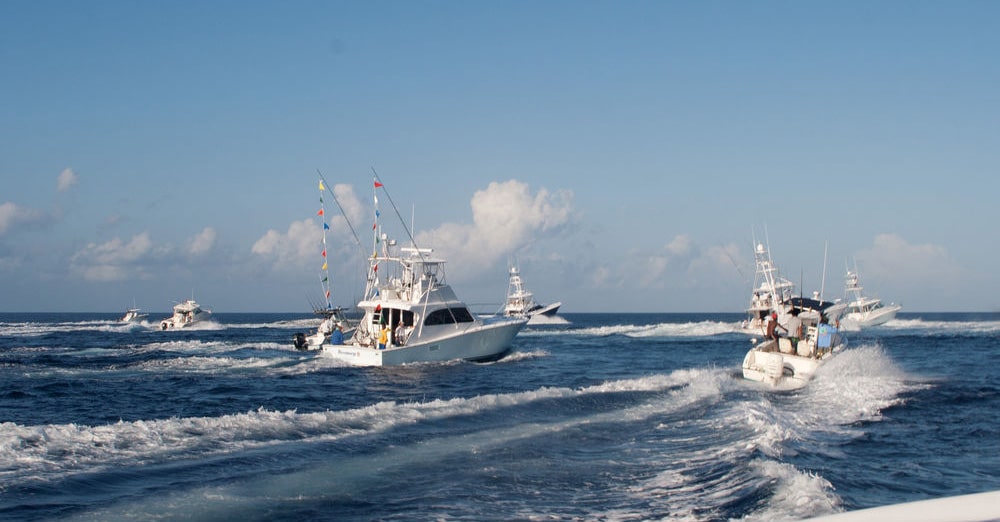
(482, 342)
(779, 369)
(785, 367)
(876, 317)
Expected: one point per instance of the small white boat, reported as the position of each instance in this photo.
(334, 319)
(785, 363)
(863, 311)
(133, 315)
(412, 315)
(521, 303)
(335, 327)
(185, 314)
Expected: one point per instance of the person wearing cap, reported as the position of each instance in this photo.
(772, 326)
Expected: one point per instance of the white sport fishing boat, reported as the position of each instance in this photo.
(185, 314)
(412, 315)
(790, 363)
(521, 303)
(133, 315)
(863, 311)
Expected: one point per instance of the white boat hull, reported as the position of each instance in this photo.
(780, 364)
(482, 342)
(173, 324)
(778, 369)
(876, 317)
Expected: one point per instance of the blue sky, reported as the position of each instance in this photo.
(625, 152)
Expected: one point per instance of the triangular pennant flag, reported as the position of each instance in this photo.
(377, 184)
(321, 185)
(324, 265)
(326, 279)
(324, 253)
(320, 213)
(326, 227)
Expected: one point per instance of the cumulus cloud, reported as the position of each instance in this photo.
(294, 247)
(13, 215)
(891, 258)
(680, 263)
(114, 260)
(67, 180)
(203, 242)
(505, 217)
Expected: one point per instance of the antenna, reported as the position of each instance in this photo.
(822, 285)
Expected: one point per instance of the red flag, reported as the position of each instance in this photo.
(324, 252)
(374, 226)
(378, 308)
(377, 184)
(320, 213)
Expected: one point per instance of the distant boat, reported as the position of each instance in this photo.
(133, 315)
(864, 311)
(412, 315)
(521, 303)
(185, 314)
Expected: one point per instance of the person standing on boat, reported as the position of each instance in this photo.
(400, 334)
(383, 337)
(794, 327)
(337, 335)
(772, 326)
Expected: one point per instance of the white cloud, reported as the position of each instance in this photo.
(203, 242)
(12, 215)
(894, 260)
(505, 217)
(67, 180)
(298, 245)
(114, 260)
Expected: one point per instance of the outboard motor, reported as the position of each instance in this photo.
(299, 340)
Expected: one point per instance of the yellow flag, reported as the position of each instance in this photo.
(324, 266)
(321, 185)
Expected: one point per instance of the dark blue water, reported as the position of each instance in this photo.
(600, 417)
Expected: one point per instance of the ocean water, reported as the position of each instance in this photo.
(591, 417)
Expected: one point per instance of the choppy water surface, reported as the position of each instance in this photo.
(593, 417)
